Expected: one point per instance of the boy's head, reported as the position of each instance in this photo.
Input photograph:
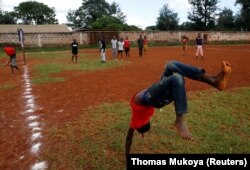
(144, 128)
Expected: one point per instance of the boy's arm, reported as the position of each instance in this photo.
(129, 140)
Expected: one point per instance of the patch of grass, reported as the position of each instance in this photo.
(219, 122)
(7, 87)
(53, 63)
(47, 80)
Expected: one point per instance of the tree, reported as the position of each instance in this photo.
(151, 28)
(91, 11)
(115, 11)
(226, 20)
(6, 18)
(203, 13)
(107, 22)
(243, 18)
(168, 20)
(76, 19)
(34, 12)
(88, 13)
(187, 26)
(127, 27)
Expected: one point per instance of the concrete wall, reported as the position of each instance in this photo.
(174, 36)
(86, 37)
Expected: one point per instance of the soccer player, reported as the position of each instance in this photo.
(74, 50)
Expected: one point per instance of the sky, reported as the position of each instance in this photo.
(141, 13)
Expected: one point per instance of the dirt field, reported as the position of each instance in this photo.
(28, 109)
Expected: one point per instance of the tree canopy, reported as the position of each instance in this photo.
(99, 14)
(32, 12)
(226, 20)
(243, 18)
(96, 14)
(203, 14)
(168, 20)
(6, 18)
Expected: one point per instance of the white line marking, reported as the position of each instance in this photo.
(33, 121)
(39, 166)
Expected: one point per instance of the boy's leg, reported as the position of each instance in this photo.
(103, 57)
(118, 55)
(114, 53)
(183, 69)
(17, 68)
(75, 58)
(201, 52)
(177, 82)
(182, 128)
(197, 52)
(12, 69)
(218, 81)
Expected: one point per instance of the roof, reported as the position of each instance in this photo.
(52, 28)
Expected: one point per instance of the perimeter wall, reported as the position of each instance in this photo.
(92, 37)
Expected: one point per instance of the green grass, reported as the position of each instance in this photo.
(7, 86)
(219, 122)
(53, 63)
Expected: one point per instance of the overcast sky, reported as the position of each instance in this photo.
(141, 13)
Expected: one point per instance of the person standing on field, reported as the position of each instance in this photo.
(145, 44)
(140, 45)
(184, 44)
(127, 47)
(102, 47)
(74, 50)
(114, 47)
(120, 48)
(199, 46)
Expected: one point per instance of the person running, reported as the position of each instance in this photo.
(171, 88)
(199, 46)
(11, 52)
(114, 47)
(74, 50)
(184, 44)
(120, 48)
(127, 47)
(145, 44)
(140, 45)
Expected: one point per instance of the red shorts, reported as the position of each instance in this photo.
(140, 114)
(9, 51)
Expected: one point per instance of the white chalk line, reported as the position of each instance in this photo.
(33, 122)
